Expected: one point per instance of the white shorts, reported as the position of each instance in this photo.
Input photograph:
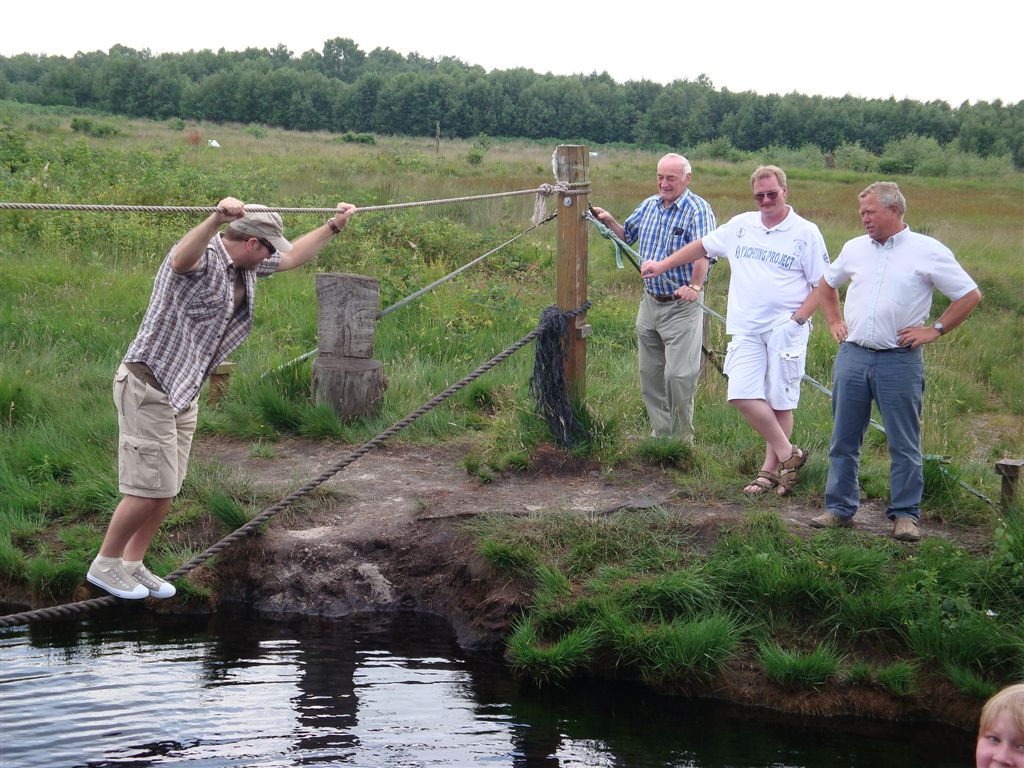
(768, 366)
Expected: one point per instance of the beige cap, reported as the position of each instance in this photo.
(265, 224)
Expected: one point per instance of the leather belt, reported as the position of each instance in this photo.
(662, 299)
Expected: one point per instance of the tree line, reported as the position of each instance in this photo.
(344, 89)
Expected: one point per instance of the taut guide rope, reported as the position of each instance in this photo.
(546, 190)
(70, 609)
(425, 289)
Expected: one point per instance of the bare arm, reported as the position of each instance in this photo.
(954, 315)
(309, 245)
(828, 298)
(685, 255)
(192, 246)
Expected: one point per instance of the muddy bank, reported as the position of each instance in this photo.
(392, 538)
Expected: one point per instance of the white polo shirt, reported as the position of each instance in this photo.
(772, 269)
(891, 284)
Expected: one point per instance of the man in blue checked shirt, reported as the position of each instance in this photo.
(669, 324)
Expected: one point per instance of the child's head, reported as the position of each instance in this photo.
(1001, 730)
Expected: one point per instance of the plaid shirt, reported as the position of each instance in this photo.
(191, 325)
(662, 231)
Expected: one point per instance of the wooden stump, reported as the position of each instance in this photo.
(352, 386)
(344, 376)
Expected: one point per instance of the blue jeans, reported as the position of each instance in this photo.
(894, 380)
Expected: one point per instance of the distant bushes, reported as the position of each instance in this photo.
(909, 156)
(91, 128)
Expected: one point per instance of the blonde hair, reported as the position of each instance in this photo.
(1010, 699)
(764, 171)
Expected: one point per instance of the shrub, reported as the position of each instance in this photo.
(256, 130)
(853, 157)
(89, 128)
(356, 138)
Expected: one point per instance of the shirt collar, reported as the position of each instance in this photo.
(680, 202)
(785, 224)
(893, 241)
(221, 252)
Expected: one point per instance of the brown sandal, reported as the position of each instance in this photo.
(764, 482)
(789, 471)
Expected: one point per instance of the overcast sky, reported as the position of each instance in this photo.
(916, 49)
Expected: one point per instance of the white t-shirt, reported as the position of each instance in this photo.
(773, 270)
(891, 284)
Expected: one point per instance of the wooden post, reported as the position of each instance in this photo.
(343, 375)
(219, 381)
(572, 167)
(1009, 470)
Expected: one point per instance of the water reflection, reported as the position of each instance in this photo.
(138, 690)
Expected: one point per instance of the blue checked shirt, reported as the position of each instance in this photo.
(661, 231)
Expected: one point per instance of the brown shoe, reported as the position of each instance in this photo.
(906, 529)
(829, 520)
(789, 471)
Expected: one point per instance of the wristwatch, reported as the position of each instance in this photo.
(797, 319)
(939, 327)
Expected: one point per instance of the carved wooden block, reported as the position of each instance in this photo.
(346, 317)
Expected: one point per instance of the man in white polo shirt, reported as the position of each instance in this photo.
(892, 273)
(777, 258)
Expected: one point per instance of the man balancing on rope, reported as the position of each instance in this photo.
(669, 323)
(200, 311)
(777, 258)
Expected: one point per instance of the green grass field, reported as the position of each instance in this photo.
(74, 286)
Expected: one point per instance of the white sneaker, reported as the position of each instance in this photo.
(115, 580)
(157, 587)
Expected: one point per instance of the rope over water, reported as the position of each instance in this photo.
(550, 315)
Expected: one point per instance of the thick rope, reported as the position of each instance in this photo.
(411, 297)
(621, 246)
(544, 189)
(71, 609)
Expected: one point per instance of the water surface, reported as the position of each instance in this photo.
(139, 690)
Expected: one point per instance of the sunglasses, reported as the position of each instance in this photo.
(759, 196)
(266, 244)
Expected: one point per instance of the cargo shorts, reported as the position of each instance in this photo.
(153, 441)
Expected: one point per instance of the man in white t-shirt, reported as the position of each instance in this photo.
(892, 273)
(777, 258)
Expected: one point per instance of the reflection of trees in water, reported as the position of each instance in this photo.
(624, 725)
(331, 664)
(327, 703)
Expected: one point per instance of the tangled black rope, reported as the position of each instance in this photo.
(547, 385)
(72, 609)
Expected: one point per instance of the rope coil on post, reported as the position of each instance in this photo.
(72, 609)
